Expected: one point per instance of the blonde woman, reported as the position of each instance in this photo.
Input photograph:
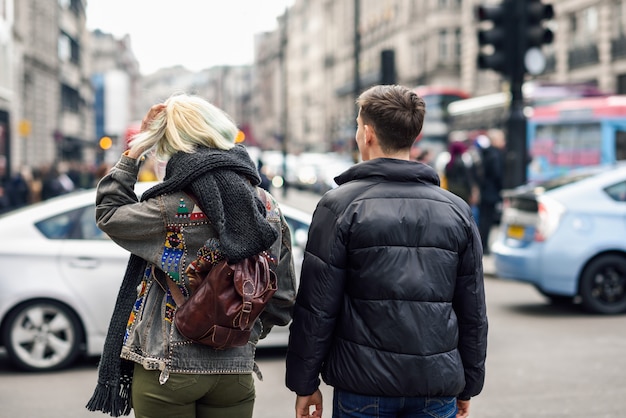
(209, 194)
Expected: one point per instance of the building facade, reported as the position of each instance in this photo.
(46, 88)
(299, 94)
(116, 83)
(7, 92)
(434, 43)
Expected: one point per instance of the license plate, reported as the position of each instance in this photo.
(515, 231)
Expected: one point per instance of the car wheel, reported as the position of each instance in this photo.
(603, 285)
(42, 335)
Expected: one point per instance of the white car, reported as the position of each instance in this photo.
(60, 276)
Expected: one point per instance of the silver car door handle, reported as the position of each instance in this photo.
(84, 262)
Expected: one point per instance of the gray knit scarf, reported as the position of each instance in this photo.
(223, 183)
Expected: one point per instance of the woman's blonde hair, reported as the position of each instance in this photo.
(186, 123)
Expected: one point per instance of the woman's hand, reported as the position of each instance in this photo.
(152, 113)
(145, 124)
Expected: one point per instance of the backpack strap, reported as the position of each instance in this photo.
(177, 295)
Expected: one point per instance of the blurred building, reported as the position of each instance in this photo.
(590, 44)
(116, 81)
(52, 96)
(319, 42)
(227, 87)
(297, 96)
(268, 88)
(305, 71)
(7, 92)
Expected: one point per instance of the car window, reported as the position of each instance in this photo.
(299, 231)
(564, 180)
(88, 227)
(75, 224)
(59, 226)
(617, 191)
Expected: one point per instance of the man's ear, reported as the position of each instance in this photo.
(369, 134)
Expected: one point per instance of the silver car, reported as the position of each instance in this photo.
(60, 276)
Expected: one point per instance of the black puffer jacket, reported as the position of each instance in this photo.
(391, 299)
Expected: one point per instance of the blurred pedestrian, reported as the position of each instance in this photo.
(391, 305)
(424, 157)
(492, 152)
(460, 174)
(266, 183)
(18, 190)
(56, 182)
(210, 192)
(5, 204)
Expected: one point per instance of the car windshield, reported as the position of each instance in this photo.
(572, 177)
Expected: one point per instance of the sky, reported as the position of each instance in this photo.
(196, 34)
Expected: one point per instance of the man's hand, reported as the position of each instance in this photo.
(303, 404)
(463, 408)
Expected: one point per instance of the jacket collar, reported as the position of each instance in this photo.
(390, 169)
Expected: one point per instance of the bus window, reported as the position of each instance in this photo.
(576, 133)
(555, 149)
(620, 145)
(434, 135)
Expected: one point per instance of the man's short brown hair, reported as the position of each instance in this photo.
(396, 114)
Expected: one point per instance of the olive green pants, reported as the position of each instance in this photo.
(192, 395)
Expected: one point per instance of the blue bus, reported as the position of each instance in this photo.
(575, 133)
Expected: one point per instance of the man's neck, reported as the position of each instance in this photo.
(378, 153)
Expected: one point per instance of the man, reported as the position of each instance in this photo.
(491, 185)
(391, 307)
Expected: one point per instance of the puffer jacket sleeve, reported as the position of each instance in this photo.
(469, 305)
(318, 303)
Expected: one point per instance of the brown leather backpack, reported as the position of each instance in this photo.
(227, 300)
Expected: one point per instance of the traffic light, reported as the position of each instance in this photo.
(388, 67)
(535, 13)
(533, 34)
(500, 37)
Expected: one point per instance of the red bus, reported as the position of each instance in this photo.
(434, 135)
(575, 133)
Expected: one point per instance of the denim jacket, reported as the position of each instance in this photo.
(167, 231)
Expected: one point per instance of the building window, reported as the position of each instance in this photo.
(621, 84)
(584, 27)
(457, 44)
(443, 45)
(70, 99)
(68, 49)
(75, 6)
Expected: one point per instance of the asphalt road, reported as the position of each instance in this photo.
(543, 361)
